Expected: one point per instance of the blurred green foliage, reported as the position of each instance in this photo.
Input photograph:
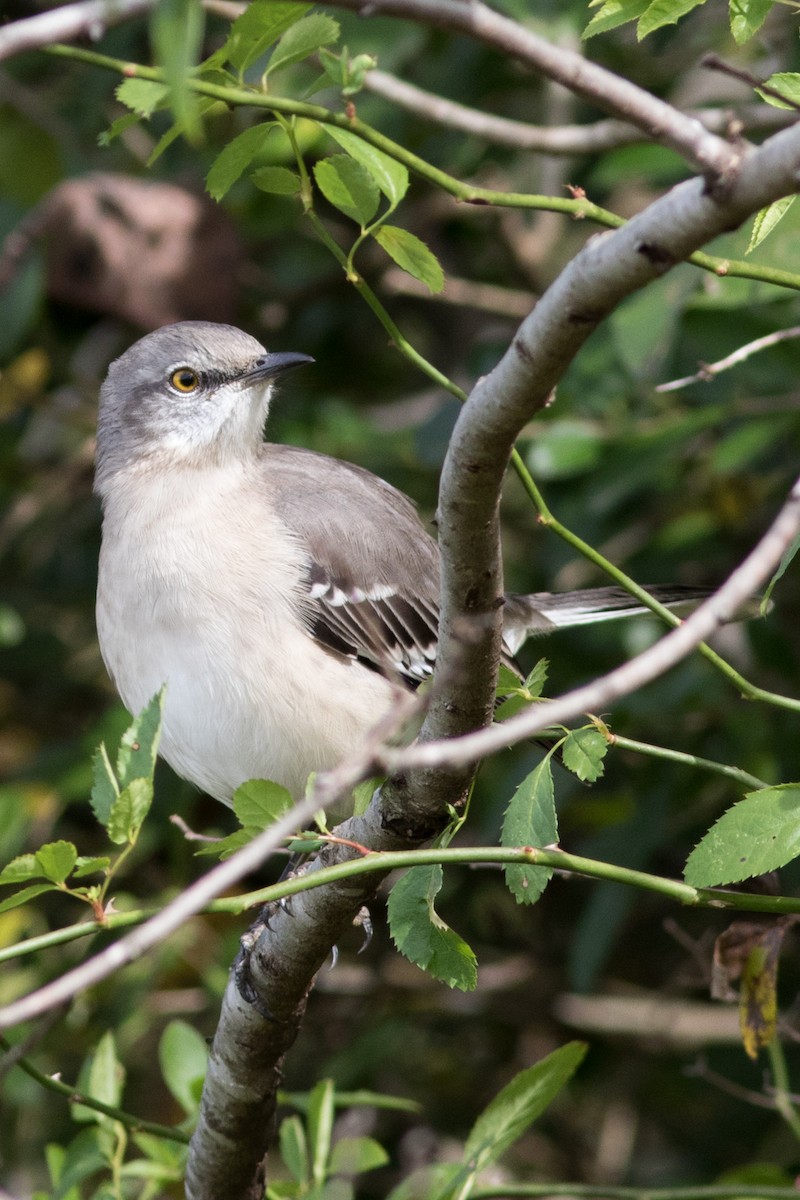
(673, 486)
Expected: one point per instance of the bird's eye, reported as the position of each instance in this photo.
(185, 380)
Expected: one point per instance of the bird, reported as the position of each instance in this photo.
(280, 595)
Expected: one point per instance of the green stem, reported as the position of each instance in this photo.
(581, 209)
(782, 1092)
(136, 1124)
(689, 760)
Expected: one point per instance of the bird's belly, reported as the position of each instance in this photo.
(248, 694)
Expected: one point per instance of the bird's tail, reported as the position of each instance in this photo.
(542, 612)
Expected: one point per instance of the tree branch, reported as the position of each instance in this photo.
(89, 18)
(559, 140)
(710, 154)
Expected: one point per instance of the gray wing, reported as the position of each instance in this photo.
(373, 569)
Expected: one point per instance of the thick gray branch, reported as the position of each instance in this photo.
(558, 139)
(710, 154)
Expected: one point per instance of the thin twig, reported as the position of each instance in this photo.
(715, 63)
(709, 370)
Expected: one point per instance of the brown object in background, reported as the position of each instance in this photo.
(150, 253)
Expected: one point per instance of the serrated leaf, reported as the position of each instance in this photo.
(520, 1102)
(614, 13)
(391, 176)
(537, 678)
(23, 867)
(225, 847)
(355, 1155)
(90, 866)
(129, 810)
(105, 789)
(747, 17)
(304, 37)
(294, 1148)
(139, 744)
(22, 897)
(116, 128)
(183, 1058)
(142, 96)
(767, 218)
(56, 860)
(279, 181)
(176, 33)
(664, 12)
(583, 753)
(257, 28)
(348, 186)
(410, 253)
(236, 157)
(259, 803)
(530, 820)
(422, 936)
(759, 834)
(507, 681)
(788, 84)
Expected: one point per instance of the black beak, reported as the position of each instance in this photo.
(275, 364)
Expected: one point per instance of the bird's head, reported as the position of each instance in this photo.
(191, 393)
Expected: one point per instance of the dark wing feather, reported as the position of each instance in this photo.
(373, 569)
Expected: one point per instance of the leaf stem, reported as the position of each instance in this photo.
(580, 209)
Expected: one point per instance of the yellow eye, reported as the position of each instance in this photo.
(185, 380)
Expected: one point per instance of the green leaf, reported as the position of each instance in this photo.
(176, 33)
(788, 84)
(294, 1149)
(280, 181)
(509, 1114)
(508, 682)
(183, 1058)
(258, 27)
(422, 936)
(23, 867)
(788, 556)
(747, 17)
(304, 37)
(236, 157)
(90, 866)
(412, 255)
(28, 893)
(767, 218)
(102, 1077)
(530, 820)
(614, 13)
(259, 803)
(130, 809)
(319, 1121)
(391, 176)
(142, 96)
(348, 186)
(583, 753)
(139, 744)
(105, 790)
(355, 1155)
(225, 847)
(759, 834)
(56, 860)
(537, 678)
(664, 12)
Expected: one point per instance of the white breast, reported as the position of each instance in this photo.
(200, 589)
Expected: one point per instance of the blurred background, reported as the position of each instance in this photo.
(673, 486)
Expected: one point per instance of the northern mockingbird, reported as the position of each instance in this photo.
(279, 593)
